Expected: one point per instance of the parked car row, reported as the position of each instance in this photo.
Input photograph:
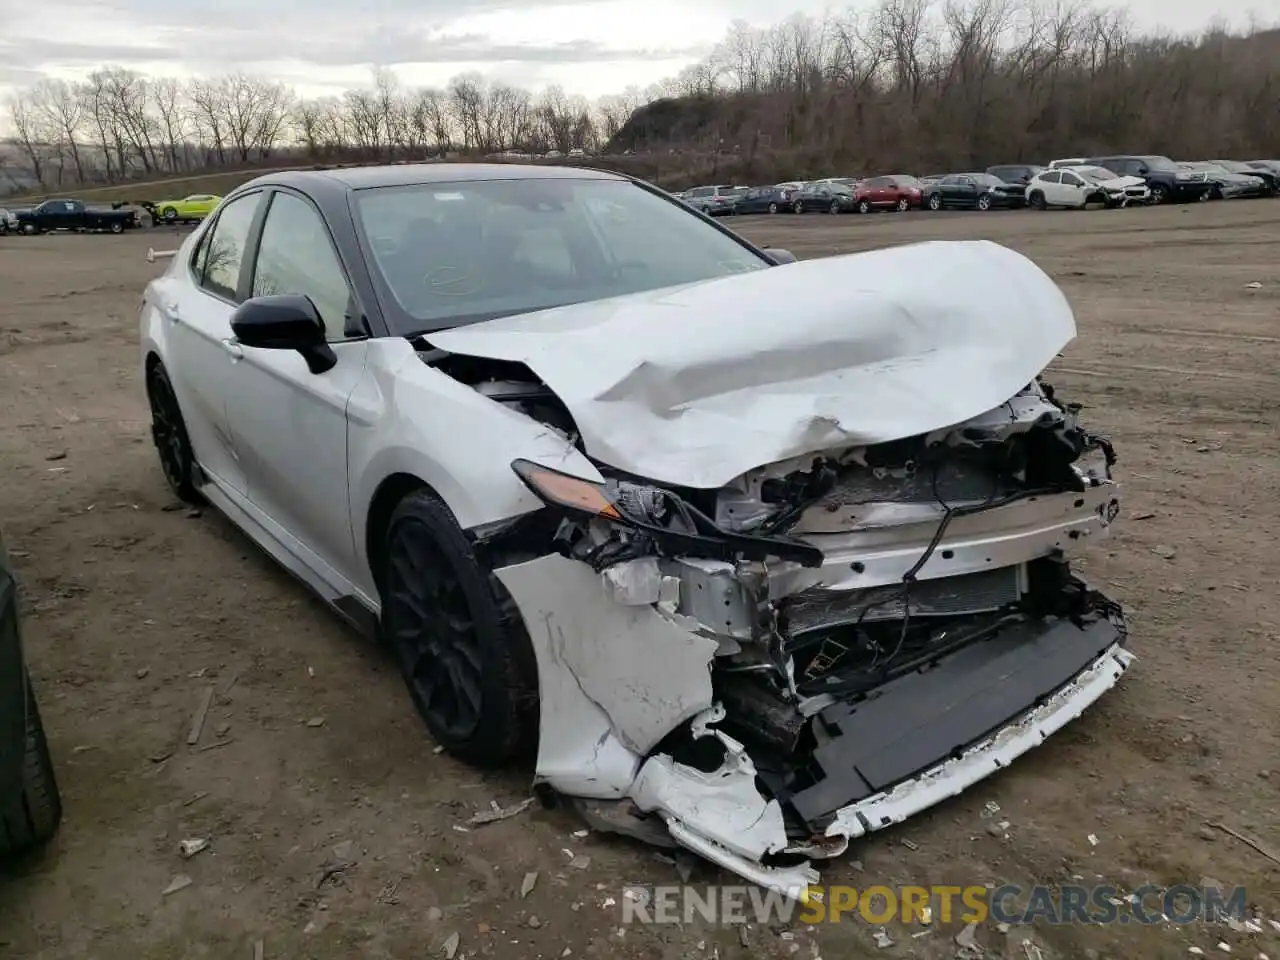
(62, 213)
(1077, 182)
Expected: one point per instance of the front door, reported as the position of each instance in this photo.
(290, 425)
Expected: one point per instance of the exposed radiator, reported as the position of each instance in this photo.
(969, 593)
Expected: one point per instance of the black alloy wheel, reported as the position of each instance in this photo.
(457, 637)
(434, 634)
(169, 434)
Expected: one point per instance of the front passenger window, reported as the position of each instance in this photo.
(223, 249)
(296, 255)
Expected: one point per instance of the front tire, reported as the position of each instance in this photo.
(834, 208)
(169, 434)
(31, 819)
(169, 214)
(797, 207)
(773, 208)
(1159, 194)
(457, 636)
(984, 202)
(864, 206)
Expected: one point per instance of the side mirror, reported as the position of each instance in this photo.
(779, 256)
(287, 321)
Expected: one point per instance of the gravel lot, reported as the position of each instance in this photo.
(134, 605)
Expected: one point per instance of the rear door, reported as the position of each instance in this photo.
(198, 352)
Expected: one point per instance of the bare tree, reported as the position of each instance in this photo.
(30, 137)
(60, 113)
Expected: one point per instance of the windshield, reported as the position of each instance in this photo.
(1235, 166)
(1094, 174)
(904, 181)
(987, 180)
(1159, 163)
(457, 253)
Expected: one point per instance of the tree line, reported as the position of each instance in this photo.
(120, 124)
(929, 86)
(905, 85)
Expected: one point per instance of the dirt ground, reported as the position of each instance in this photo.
(134, 606)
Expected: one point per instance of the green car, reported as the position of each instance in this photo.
(195, 207)
(30, 806)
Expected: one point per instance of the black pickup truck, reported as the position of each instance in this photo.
(58, 214)
(30, 807)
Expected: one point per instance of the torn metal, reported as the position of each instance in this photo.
(770, 637)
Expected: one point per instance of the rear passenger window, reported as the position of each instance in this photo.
(222, 249)
(1054, 177)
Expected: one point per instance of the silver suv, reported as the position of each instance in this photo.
(712, 201)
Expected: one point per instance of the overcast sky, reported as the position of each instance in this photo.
(591, 47)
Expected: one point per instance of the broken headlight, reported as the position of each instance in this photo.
(664, 521)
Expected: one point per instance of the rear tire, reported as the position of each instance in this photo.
(31, 819)
(935, 202)
(169, 214)
(773, 208)
(797, 207)
(169, 434)
(903, 205)
(457, 636)
(1036, 201)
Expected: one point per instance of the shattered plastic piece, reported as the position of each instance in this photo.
(1093, 839)
(968, 937)
(500, 813)
(1224, 946)
(990, 810)
(1255, 285)
(634, 583)
(180, 882)
(451, 946)
(882, 939)
(189, 848)
(528, 883)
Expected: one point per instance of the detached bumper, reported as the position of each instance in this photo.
(618, 679)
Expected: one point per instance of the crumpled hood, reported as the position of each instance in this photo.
(695, 385)
(1122, 182)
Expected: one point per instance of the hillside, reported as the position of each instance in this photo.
(915, 95)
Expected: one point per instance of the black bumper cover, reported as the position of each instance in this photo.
(922, 719)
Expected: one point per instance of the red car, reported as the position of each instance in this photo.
(897, 192)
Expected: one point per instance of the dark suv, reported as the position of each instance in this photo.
(30, 807)
(1168, 182)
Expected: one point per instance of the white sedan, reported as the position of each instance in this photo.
(1079, 186)
(752, 565)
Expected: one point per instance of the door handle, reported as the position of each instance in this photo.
(233, 349)
(171, 310)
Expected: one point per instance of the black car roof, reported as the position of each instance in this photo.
(410, 174)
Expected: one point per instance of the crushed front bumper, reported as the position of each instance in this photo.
(619, 683)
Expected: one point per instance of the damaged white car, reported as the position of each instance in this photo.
(754, 558)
